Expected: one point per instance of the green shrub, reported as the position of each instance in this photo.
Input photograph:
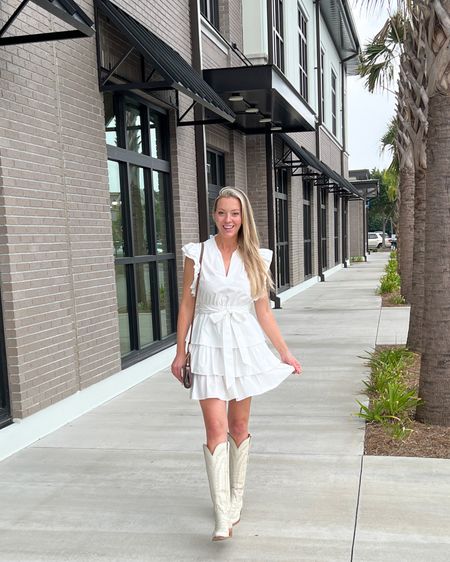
(392, 402)
(389, 283)
(355, 259)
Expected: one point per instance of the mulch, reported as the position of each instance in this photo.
(431, 441)
(386, 300)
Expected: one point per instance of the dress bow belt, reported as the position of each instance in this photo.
(230, 317)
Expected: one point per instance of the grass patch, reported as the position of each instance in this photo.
(392, 401)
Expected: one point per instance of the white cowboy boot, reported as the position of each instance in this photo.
(217, 468)
(238, 471)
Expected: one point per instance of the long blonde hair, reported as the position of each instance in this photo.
(248, 244)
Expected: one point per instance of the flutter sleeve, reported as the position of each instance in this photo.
(192, 251)
(267, 256)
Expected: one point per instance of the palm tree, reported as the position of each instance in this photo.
(378, 67)
(434, 385)
(425, 81)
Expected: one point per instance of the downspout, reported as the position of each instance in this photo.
(271, 213)
(318, 125)
(319, 122)
(270, 31)
(199, 130)
(269, 168)
(344, 147)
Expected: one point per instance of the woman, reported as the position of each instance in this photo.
(230, 359)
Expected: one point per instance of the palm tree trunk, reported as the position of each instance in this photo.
(434, 387)
(416, 317)
(405, 234)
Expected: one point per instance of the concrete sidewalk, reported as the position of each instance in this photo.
(126, 482)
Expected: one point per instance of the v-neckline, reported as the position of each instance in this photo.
(226, 273)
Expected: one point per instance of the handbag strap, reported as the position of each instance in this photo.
(195, 297)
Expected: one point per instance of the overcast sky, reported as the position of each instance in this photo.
(368, 114)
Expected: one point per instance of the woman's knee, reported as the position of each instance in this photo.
(216, 427)
(238, 427)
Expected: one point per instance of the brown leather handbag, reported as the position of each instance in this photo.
(187, 372)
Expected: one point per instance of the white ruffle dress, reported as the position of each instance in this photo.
(230, 358)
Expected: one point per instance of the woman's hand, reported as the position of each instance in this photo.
(288, 358)
(177, 366)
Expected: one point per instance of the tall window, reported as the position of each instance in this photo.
(142, 225)
(303, 53)
(336, 228)
(307, 228)
(322, 82)
(333, 103)
(210, 10)
(278, 34)
(323, 234)
(282, 218)
(216, 180)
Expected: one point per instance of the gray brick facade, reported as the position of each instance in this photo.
(57, 265)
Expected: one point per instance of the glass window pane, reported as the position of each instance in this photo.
(144, 304)
(138, 210)
(165, 308)
(110, 120)
(156, 136)
(159, 181)
(122, 309)
(116, 208)
(134, 128)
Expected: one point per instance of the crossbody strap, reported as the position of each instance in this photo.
(195, 297)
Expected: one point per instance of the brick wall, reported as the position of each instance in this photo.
(256, 184)
(57, 266)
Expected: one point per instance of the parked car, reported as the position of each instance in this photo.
(375, 241)
(387, 238)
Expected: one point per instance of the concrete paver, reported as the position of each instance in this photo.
(404, 511)
(126, 481)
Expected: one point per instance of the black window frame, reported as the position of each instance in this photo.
(324, 227)
(131, 261)
(302, 28)
(214, 188)
(210, 11)
(336, 228)
(333, 102)
(282, 228)
(278, 34)
(307, 229)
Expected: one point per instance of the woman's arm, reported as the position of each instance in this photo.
(184, 319)
(268, 323)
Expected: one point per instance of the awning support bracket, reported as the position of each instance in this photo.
(116, 66)
(81, 24)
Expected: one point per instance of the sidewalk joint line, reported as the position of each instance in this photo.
(357, 507)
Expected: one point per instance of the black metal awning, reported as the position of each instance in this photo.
(324, 176)
(261, 92)
(176, 73)
(66, 10)
(340, 24)
(367, 188)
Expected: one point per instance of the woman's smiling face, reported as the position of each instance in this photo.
(228, 216)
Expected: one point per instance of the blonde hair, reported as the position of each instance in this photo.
(248, 244)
